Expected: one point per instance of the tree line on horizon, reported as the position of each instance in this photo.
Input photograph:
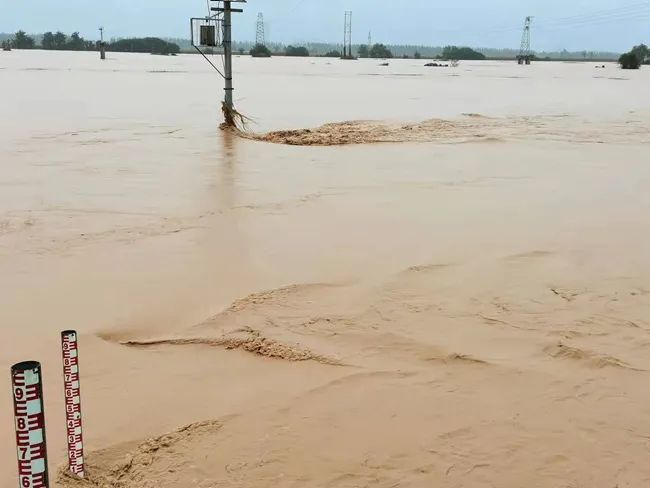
(75, 42)
(261, 51)
(61, 42)
(376, 51)
(410, 50)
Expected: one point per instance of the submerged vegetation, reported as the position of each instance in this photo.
(380, 51)
(61, 42)
(375, 51)
(151, 45)
(629, 61)
(58, 41)
(260, 51)
(461, 53)
(297, 51)
(635, 58)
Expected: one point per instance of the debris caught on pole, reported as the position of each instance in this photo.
(525, 55)
(215, 30)
(72, 395)
(29, 414)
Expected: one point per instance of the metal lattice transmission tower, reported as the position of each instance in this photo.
(347, 36)
(524, 51)
(260, 37)
(369, 39)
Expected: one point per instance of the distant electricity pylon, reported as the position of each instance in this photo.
(347, 36)
(369, 39)
(260, 38)
(524, 51)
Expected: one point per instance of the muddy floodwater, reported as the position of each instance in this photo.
(448, 285)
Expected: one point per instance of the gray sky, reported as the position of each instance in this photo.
(571, 24)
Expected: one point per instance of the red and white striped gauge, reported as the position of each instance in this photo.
(70, 349)
(27, 384)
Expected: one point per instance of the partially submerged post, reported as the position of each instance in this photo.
(227, 52)
(215, 30)
(29, 414)
(72, 394)
(102, 45)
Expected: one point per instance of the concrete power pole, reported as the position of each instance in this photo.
(227, 55)
(102, 46)
(206, 34)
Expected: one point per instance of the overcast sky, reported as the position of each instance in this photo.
(572, 24)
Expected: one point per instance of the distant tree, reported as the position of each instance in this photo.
(461, 53)
(297, 51)
(380, 51)
(241, 50)
(48, 41)
(260, 51)
(363, 51)
(151, 45)
(76, 42)
(60, 40)
(23, 41)
(629, 61)
(417, 55)
(333, 54)
(642, 52)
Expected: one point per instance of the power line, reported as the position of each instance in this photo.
(287, 12)
(632, 12)
(608, 13)
(598, 20)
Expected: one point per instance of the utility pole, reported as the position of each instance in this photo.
(205, 33)
(524, 51)
(102, 46)
(369, 39)
(260, 37)
(227, 53)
